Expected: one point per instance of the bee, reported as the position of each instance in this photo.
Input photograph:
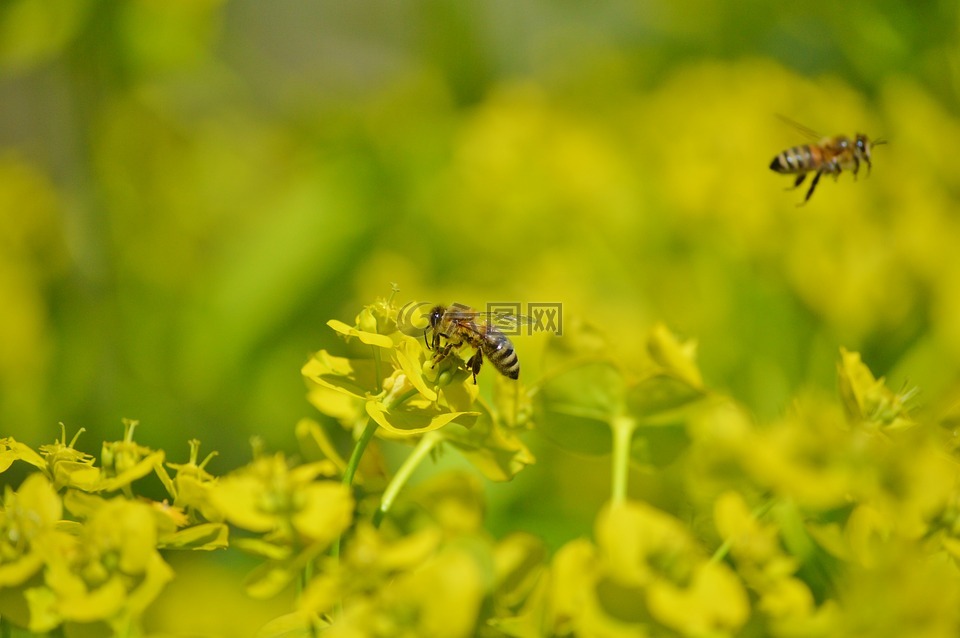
(459, 325)
(830, 155)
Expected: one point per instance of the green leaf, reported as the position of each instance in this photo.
(518, 564)
(259, 547)
(660, 392)
(206, 536)
(268, 580)
(498, 453)
(355, 377)
(461, 393)
(315, 444)
(297, 624)
(580, 342)
(575, 408)
(414, 418)
(659, 445)
(512, 403)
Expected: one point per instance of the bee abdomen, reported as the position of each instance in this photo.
(501, 354)
(798, 159)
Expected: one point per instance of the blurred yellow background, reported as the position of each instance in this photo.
(189, 190)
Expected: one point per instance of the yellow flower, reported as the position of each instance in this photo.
(413, 586)
(762, 562)
(809, 456)
(11, 450)
(649, 550)
(28, 515)
(645, 574)
(68, 466)
(867, 399)
(287, 503)
(110, 572)
(126, 461)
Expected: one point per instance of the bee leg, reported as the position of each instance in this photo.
(799, 180)
(869, 166)
(441, 354)
(856, 167)
(474, 363)
(813, 185)
(436, 340)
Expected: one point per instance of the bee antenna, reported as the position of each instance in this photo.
(426, 328)
(880, 142)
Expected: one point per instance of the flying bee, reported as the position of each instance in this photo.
(459, 325)
(830, 155)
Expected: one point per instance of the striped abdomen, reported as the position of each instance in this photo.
(799, 159)
(499, 351)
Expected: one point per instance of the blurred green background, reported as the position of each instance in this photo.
(190, 189)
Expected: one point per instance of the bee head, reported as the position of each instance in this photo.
(433, 320)
(864, 145)
(435, 316)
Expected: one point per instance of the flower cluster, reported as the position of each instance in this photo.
(75, 552)
(79, 548)
(840, 517)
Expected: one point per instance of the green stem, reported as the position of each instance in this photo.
(376, 367)
(368, 431)
(722, 551)
(420, 452)
(351, 470)
(623, 428)
(365, 437)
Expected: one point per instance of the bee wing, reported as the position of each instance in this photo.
(506, 322)
(462, 313)
(809, 132)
